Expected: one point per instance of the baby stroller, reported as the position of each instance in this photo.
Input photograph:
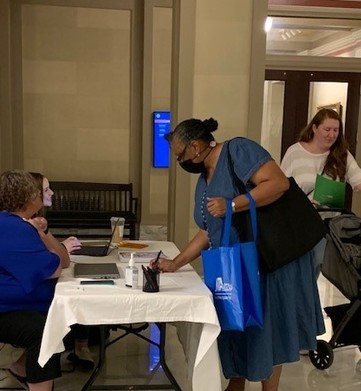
(342, 267)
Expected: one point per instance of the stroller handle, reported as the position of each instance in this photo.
(330, 209)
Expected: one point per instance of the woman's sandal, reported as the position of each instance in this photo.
(20, 379)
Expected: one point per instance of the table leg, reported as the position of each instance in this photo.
(161, 346)
(101, 359)
(168, 373)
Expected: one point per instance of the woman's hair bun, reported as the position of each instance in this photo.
(210, 124)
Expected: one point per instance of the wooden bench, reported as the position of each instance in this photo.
(85, 208)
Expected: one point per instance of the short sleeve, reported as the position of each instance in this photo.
(247, 157)
(25, 257)
(353, 171)
(286, 163)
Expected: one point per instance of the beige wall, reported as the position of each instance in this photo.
(157, 76)
(222, 60)
(85, 80)
(222, 64)
(78, 104)
(222, 69)
(76, 92)
(6, 134)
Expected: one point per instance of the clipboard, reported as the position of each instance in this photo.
(329, 192)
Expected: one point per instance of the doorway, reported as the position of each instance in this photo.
(293, 97)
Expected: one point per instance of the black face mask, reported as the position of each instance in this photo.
(193, 168)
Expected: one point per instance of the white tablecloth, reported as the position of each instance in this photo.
(183, 298)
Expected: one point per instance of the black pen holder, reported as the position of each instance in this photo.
(150, 279)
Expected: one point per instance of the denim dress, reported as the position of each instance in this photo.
(292, 311)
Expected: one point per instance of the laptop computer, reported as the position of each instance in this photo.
(103, 271)
(94, 250)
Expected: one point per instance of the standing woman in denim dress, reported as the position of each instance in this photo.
(292, 311)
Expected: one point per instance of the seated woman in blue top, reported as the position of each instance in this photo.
(29, 268)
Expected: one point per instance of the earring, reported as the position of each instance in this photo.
(212, 144)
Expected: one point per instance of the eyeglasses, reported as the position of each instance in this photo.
(181, 155)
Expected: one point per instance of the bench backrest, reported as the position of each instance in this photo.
(88, 196)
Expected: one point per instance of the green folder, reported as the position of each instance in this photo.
(329, 192)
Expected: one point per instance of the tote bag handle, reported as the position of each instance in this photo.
(226, 232)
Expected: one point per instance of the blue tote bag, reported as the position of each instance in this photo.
(231, 273)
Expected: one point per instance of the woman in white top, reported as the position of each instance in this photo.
(321, 149)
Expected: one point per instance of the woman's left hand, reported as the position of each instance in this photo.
(71, 243)
(217, 206)
(40, 223)
(163, 265)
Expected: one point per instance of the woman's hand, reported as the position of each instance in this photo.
(188, 254)
(163, 265)
(217, 206)
(40, 223)
(71, 243)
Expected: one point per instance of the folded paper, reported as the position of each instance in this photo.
(329, 192)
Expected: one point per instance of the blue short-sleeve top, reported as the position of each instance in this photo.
(25, 266)
(247, 157)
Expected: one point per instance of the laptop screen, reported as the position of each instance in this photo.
(96, 250)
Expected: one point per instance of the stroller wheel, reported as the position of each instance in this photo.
(322, 358)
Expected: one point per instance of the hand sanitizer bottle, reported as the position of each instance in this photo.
(131, 274)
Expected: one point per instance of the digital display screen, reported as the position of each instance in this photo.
(161, 150)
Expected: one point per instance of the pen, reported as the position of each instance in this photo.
(155, 262)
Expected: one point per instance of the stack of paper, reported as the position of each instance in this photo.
(140, 256)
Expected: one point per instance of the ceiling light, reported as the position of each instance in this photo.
(268, 24)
